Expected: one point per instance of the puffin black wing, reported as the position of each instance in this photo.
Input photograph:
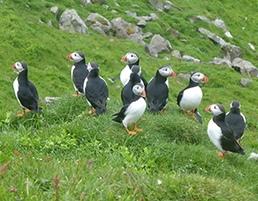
(120, 115)
(179, 97)
(97, 95)
(237, 124)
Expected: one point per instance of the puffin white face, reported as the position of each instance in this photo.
(76, 56)
(138, 89)
(215, 109)
(20, 66)
(130, 58)
(198, 77)
(166, 71)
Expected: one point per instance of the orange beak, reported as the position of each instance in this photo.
(69, 57)
(13, 66)
(173, 75)
(144, 93)
(205, 79)
(124, 59)
(208, 109)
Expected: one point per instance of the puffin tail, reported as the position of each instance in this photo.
(241, 151)
(198, 116)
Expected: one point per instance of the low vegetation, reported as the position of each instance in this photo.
(66, 154)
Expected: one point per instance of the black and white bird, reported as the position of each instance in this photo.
(25, 91)
(127, 93)
(220, 132)
(191, 96)
(95, 90)
(132, 112)
(236, 120)
(131, 59)
(158, 89)
(78, 71)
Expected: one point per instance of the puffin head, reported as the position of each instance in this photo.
(139, 90)
(76, 56)
(20, 66)
(136, 69)
(92, 65)
(215, 109)
(198, 77)
(235, 104)
(167, 71)
(130, 58)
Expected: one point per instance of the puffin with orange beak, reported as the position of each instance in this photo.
(191, 96)
(220, 133)
(78, 71)
(132, 112)
(131, 59)
(158, 89)
(25, 91)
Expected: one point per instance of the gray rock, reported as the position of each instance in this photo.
(230, 52)
(168, 5)
(176, 54)
(160, 44)
(190, 59)
(147, 35)
(212, 36)
(99, 23)
(71, 22)
(151, 50)
(173, 32)
(154, 16)
(141, 23)
(245, 81)
(220, 61)
(54, 10)
(156, 4)
(245, 67)
(86, 2)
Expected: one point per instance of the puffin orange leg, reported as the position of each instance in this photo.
(136, 129)
(91, 111)
(76, 94)
(185, 113)
(222, 154)
(130, 132)
(27, 111)
(192, 115)
(21, 114)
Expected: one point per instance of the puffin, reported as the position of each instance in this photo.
(79, 71)
(220, 133)
(127, 93)
(95, 90)
(132, 112)
(131, 58)
(158, 89)
(25, 91)
(236, 120)
(191, 96)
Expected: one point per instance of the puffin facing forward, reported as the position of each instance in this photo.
(132, 112)
(191, 97)
(236, 120)
(220, 133)
(131, 59)
(95, 90)
(158, 89)
(78, 72)
(25, 91)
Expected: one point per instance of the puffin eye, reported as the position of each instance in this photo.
(215, 107)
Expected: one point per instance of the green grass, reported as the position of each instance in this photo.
(94, 158)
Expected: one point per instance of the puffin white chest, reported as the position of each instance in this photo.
(125, 75)
(191, 98)
(134, 111)
(215, 133)
(16, 89)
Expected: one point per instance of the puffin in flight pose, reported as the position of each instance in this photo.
(191, 97)
(158, 89)
(131, 59)
(95, 90)
(220, 132)
(78, 72)
(127, 93)
(25, 91)
(236, 120)
(132, 112)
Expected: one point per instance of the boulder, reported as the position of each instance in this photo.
(230, 52)
(245, 67)
(160, 44)
(71, 22)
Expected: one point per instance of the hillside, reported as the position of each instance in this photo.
(65, 154)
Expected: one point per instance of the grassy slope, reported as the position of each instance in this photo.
(95, 156)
